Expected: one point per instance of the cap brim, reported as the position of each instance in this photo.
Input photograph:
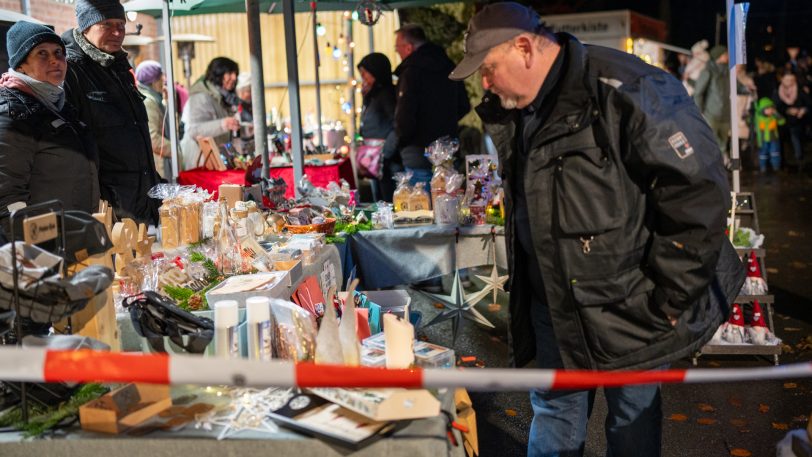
(469, 65)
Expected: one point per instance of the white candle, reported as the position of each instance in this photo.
(399, 337)
(258, 318)
(226, 333)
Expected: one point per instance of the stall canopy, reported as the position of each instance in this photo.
(161, 8)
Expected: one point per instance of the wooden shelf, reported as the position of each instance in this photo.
(760, 252)
(741, 349)
(761, 298)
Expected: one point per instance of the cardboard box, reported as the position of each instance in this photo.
(278, 288)
(384, 404)
(124, 408)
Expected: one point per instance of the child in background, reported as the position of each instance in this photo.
(769, 145)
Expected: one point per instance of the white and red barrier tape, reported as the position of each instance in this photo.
(41, 365)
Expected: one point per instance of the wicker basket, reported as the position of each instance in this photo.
(326, 227)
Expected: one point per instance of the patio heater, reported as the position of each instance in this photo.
(186, 50)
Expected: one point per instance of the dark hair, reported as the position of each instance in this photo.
(413, 34)
(218, 67)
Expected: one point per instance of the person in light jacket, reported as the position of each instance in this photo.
(210, 111)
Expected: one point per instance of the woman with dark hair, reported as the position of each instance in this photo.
(794, 104)
(46, 153)
(378, 118)
(210, 109)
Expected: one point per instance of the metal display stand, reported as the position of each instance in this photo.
(747, 212)
(40, 209)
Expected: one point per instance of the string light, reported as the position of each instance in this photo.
(336, 52)
(320, 29)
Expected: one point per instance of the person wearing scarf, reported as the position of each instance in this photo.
(794, 104)
(378, 118)
(101, 85)
(210, 111)
(46, 152)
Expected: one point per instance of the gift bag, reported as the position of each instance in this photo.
(369, 158)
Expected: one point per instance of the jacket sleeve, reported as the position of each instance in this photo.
(16, 164)
(156, 122)
(201, 118)
(673, 154)
(406, 108)
(701, 88)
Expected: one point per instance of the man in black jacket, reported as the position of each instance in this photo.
(101, 85)
(429, 106)
(616, 204)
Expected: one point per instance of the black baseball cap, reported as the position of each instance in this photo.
(493, 25)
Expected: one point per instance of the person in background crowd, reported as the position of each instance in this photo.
(46, 152)
(794, 105)
(100, 84)
(243, 90)
(769, 145)
(699, 57)
(765, 77)
(150, 77)
(210, 110)
(429, 106)
(616, 203)
(378, 116)
(712, 95)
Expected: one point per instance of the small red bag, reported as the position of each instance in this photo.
(369, 158)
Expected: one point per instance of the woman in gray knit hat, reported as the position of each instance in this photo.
(46, 153)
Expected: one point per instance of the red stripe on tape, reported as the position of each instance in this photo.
(312, 375)
(94, 366)
(590, 379)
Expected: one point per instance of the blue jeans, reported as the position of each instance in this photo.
(634, 420)
(770, 150)
(420, 175)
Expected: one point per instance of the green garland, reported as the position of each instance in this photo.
(42, 419)
(187, 298)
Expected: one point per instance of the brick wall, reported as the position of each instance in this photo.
(62, 17)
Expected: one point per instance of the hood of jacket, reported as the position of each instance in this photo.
(764, 103)
(427, 58)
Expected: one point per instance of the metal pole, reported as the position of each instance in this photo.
(351, 98)
(297, 154)
(371, 32)
(170, 88)
(258, 88)
(734, 99)
(317, 62)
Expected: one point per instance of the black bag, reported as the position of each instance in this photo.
(155, 317)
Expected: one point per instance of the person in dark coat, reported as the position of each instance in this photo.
(429, 106)
(46, 152)
(794, 105)
(100, 83)
(378, 118)
(616, 202)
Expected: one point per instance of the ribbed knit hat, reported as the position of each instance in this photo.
(89, 12)
(148, 71)
(24, 36)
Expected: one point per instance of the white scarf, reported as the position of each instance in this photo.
(51, 96)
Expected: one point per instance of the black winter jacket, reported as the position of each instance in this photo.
(110, 103)
(627, 200)
(429, 105)
(45, 156)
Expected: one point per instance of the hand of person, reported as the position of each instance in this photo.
(230, 123)
(672, 320)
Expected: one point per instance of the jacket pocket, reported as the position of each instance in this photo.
(588, 197)
(103, 109)
(618, 314)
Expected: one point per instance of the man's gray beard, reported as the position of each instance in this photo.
(508, 103)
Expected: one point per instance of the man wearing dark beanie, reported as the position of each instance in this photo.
(100, 84)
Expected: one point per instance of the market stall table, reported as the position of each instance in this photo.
(385, 258)
(320, 176)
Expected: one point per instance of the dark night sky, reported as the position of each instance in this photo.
(692, 20)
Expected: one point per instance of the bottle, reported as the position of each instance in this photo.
(226, 329)
(259, 328)
(228, 248)
(419, 198)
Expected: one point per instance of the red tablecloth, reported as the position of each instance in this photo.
(320, 176)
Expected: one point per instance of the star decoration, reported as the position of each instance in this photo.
(494, 283)
(456, 307)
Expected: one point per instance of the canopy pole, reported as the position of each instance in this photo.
(297, 152)
(353, 84)
(258, 89)
(734, 99)
(166, 23)
(317, 61)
